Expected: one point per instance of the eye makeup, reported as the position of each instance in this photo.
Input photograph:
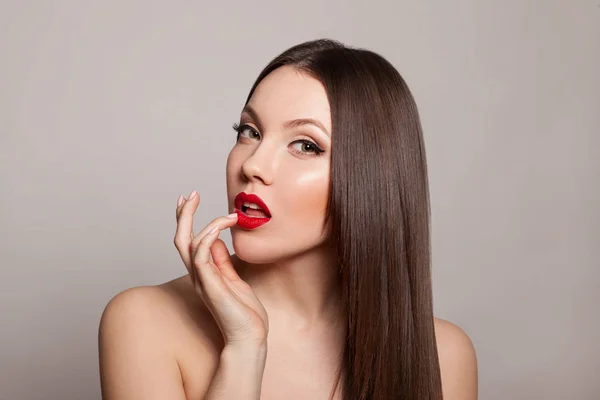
(312, 147)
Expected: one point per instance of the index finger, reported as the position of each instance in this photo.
(185, 217)
(184, 233)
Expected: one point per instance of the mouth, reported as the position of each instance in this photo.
(252, 211)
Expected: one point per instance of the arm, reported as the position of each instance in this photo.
(239, 375)
(135, 362)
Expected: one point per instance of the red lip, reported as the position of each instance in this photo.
(245, 221)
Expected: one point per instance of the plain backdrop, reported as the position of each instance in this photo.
(110, 109)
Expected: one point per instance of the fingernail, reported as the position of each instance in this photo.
(192, 195)
(179, 200)
(232, 216)
(213, 230)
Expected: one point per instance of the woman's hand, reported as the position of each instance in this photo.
(240, 315)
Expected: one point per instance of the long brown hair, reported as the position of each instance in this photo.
(380, 214)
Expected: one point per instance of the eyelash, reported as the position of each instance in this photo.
(317, 150)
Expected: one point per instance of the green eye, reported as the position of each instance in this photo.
(242, 128)
(308, 147)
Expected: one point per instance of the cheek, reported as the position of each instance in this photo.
(306, 195)
(229, 164)
(232, 168)
(304, 201)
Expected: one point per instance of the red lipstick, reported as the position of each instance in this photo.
(246, 221)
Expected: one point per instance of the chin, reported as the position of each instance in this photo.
(251, 249)
(254, 249)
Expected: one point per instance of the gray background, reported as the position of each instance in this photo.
(110, 109)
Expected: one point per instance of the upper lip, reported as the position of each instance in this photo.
(243, 197)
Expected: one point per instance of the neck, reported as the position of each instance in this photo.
(302, 292)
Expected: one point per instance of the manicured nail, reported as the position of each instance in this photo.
(192, 195)
(213, 230)
(179, 200)
(232, 216)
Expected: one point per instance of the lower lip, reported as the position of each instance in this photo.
(247, 222)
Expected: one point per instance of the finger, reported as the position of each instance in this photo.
(222, 222)
(184, 232)
(180, 202)
(208, 275)
(192, 201)
(222, 260)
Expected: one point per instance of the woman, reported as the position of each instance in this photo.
(328, 293)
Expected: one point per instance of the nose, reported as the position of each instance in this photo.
(260, 165)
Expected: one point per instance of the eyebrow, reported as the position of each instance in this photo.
(291, 123)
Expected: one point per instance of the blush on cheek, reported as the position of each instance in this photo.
(304, 214)
(310, 192)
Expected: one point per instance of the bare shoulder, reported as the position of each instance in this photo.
(167, 308)
(458, 362)
(145, 338)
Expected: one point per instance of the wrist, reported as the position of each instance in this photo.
(239, 374)
(248, 350)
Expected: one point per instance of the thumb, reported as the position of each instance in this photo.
(222, 260)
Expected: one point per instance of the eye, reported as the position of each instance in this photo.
(306, 146)
(240, 129)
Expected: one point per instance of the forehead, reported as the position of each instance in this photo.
(286, 94)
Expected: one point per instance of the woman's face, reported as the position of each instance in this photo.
(271, 160)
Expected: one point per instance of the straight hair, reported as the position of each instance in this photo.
(379, 209)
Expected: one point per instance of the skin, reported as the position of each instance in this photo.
(165, 341)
